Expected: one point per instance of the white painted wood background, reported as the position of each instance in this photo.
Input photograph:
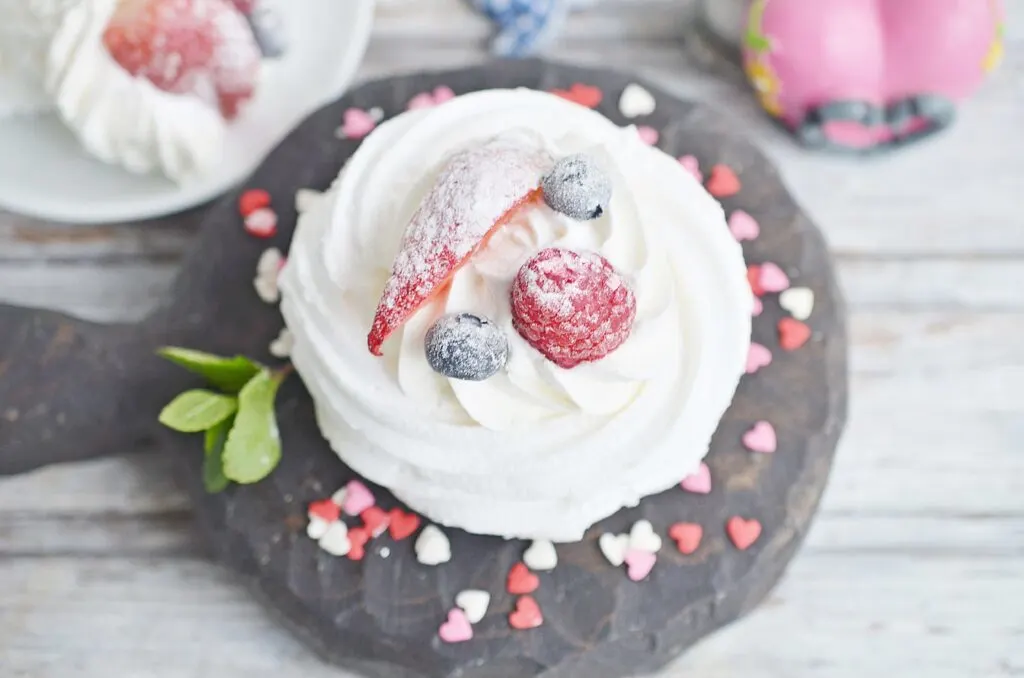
(915, 566)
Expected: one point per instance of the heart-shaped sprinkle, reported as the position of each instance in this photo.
(643, 538)
(358, 498)
(304, 198)
(758, 356)
(358, 536)
(339, 496)
(799, 301)
(541, 556)
(336, 540)
(261, 223)
(376, 520)
(723, 182)
(743, 532)
(614, 547)
(636, 101)
(754, 278)
(698, 482)
(270, 262)
(432, 546)
(324, 509)
(474, 603)
(356, 124)
(440, 95)
(761, 438)
(266, 288)
(773, 278)
(376, 113)
(758, 307)
(283, 345)
(252, 200)
(402, 524)
(584, 95)
(648, 135)
(457, 628)
(526, 615)
(692, 165)
(639, 563)
(743, 226)
(687, 537)
(317, 527)
(793, 334)
(521, 580)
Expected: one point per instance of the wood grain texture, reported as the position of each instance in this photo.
(913, 567)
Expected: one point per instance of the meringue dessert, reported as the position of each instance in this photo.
(516, 315)
(148, 85)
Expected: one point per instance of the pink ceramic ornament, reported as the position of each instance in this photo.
(869, 74)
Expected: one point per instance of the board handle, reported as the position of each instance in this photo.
(71, 390)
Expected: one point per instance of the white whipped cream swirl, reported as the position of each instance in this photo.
(536, 451)
(122, 119)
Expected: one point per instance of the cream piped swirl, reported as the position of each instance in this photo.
(536, 451)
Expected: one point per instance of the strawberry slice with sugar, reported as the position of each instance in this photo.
(203, 48)
(477, 192)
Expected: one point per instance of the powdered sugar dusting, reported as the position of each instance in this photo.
(477, 191)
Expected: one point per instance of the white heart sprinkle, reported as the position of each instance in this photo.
(474, 603)
(643, 538)
(335, 540)
(304, 199)
(432, 546)
(339, 496)
(282, 346)
(270, 261)
(376, 113)
(261, 222)
(614, 547)
(541, 556)
(266, 288)
(799, 301)
(317, 527)
(636, 101)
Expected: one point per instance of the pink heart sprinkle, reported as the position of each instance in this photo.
(261, 223)
(758, 307)
(357, 123)
(430, 99)
(457, 628)
(692, 166)
(358, 498)
(442, 94)
(758, 357)
(744, 227)
(761, 438)
(698, 482)
(648, 135)
(639, 563)
(773, 278)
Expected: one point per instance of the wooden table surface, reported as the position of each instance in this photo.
(915, 566)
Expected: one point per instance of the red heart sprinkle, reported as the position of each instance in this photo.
(521, 580)
(357, 538)
(526, 615)
(743, 532)
(325, 509)
(402, 524)
(252, 200)
(754, 278)
(376, 520)
(584, 95)
(687, 537)
(261, 223)
(723, 182)
(793, 334)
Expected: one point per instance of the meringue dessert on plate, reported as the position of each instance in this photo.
(516, 315)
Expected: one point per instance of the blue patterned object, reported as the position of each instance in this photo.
(526, 26)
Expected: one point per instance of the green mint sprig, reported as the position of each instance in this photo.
(240, 437)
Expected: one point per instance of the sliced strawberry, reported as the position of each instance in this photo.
(203, 48)
(478, 191)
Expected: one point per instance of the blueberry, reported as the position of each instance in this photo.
(465, 346)
(577, 187)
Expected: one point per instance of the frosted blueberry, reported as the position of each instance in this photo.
(465, 346)
(577, 187)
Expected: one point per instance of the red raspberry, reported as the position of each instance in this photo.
(573, 307)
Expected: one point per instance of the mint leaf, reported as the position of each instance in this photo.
(197, 410)
(228, 374)
(213, 465)
(758, 42)
(253, 446)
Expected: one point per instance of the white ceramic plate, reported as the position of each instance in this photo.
(45, 173)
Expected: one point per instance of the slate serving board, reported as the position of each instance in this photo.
(64, 383)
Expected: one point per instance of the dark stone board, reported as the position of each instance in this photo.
(70, 390)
